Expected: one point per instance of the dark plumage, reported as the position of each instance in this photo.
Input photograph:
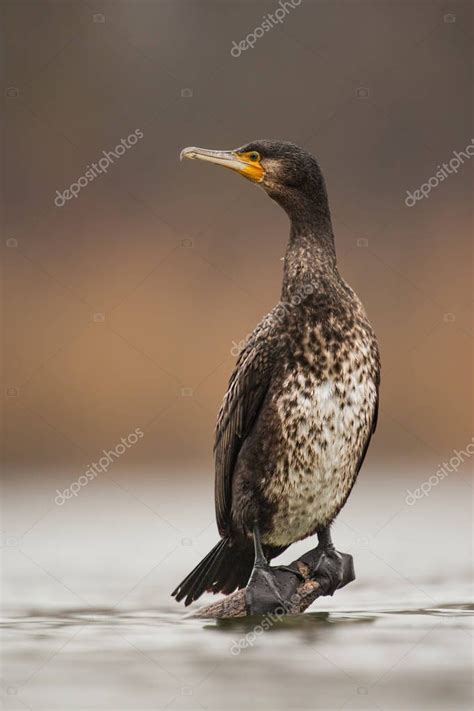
(301, 405)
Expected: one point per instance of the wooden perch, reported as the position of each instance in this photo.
(298, 594)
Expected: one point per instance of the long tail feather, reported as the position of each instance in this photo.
(226, 567)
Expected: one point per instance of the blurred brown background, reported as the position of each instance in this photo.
(125, 307)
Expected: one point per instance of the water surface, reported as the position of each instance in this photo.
(89, 624)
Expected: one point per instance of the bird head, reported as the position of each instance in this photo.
(284, 170)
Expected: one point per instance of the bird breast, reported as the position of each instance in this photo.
(325, 415)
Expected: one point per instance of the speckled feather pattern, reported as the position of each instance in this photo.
(325, 419)
(297, 465)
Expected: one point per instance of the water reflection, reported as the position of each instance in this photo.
(163, 655)
(40, 619)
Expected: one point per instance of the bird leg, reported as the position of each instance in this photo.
(325, 563)
(263, 593)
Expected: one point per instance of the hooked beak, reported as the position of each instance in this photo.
(228, 159)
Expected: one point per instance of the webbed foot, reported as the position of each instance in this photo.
(329, 571)
(327, 566)
(262, 594)
(268, 587)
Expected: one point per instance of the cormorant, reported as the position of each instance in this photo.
(301, 405)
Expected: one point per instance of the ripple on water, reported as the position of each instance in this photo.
(151, 618)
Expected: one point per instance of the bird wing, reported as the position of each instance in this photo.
(247, 388)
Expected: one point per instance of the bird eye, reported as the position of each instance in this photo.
(254, 156)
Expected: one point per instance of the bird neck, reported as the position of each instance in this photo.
(310, 259)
